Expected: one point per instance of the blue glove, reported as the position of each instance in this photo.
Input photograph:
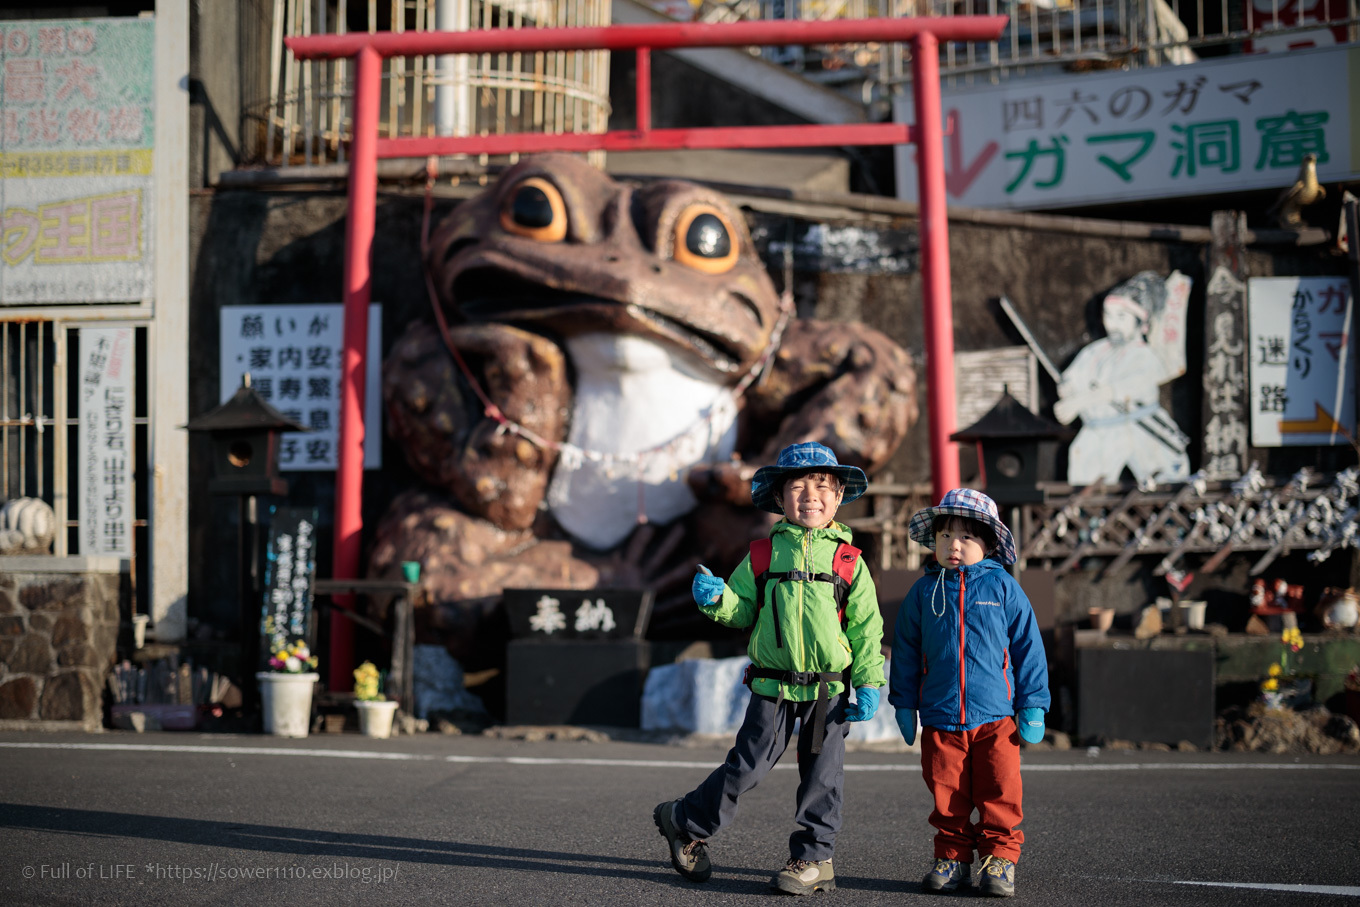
(1031, 724)
(906, 723)
(707, 589)
(866, 704)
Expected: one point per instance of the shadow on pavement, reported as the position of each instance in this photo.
(309, 842)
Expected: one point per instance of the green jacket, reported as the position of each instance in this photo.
(812, 635)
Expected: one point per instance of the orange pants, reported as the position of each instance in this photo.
(968, 770)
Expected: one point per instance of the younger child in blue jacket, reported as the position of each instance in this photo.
(968, 657)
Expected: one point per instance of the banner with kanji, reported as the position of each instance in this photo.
(104, 441)
(1216, 126)
(76, 137)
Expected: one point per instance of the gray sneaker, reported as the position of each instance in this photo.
(688, 856)
(996, 876)
(805, 877)
(948, 875)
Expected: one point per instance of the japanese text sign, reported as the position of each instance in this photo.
(76, 136)
(104, 447)
(578, 614)
(1302, 360)
(293, 353)
(1224, 125)
(290, 563)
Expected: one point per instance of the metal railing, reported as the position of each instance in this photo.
(305, 118)
(1055, 35)
(302, 114)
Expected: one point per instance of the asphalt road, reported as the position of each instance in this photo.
(150, 819)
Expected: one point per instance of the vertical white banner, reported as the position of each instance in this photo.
(105, 441)
(1302, 361)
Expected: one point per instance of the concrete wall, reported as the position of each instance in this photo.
(1056, 279)
(215, 67)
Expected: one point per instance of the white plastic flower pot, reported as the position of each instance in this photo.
(375, 716)
(287, 701)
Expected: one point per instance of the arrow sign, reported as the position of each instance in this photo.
(1322, 421)
(957, 177)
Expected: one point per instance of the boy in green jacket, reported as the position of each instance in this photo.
(816, 631)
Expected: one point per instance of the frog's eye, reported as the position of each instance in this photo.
(704, 240)
(535, 210)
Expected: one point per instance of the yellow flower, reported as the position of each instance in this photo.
(366, 678)
(1275, 670)
(1270, 685)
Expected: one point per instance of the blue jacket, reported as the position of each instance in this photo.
(966, 648)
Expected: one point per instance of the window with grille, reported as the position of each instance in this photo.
(40, 428)
(27, 408)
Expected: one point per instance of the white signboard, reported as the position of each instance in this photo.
(293, 355)
(105, 441)
(1218, 126)
(76, 130)
(1302, 360)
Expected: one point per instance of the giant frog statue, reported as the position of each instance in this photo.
(623, 363)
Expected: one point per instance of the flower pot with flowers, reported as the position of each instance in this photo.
(286, 688)
(1282, 689)
(375, 709)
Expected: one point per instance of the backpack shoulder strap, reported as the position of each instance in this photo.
(761, 551)
(843, 566)
(843, 562)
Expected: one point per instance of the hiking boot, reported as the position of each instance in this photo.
(948, 875)
(805, 877)
(688, 856)
(996, 876)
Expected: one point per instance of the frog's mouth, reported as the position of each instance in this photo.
(488, 294)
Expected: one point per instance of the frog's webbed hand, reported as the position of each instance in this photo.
(645, 561)
(446, 432)
(857, 390)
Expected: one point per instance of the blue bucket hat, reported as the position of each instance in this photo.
(964, 502)
(801, 458)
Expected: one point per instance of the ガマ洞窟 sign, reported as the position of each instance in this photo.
(1223, 125)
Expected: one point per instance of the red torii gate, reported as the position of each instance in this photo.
(369, 50)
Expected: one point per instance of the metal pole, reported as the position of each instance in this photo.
(937, 309)
(349, 475)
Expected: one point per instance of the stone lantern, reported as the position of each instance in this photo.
(245, 433)
(1017, 450)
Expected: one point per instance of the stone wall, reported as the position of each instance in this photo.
(59, 621)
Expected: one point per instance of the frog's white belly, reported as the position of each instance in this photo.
(644, 414)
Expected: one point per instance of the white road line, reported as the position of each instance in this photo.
(1189, 766)
(911, 765)
(221, 750)
(1348, 891)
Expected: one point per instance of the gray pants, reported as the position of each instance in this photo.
(762, 739)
